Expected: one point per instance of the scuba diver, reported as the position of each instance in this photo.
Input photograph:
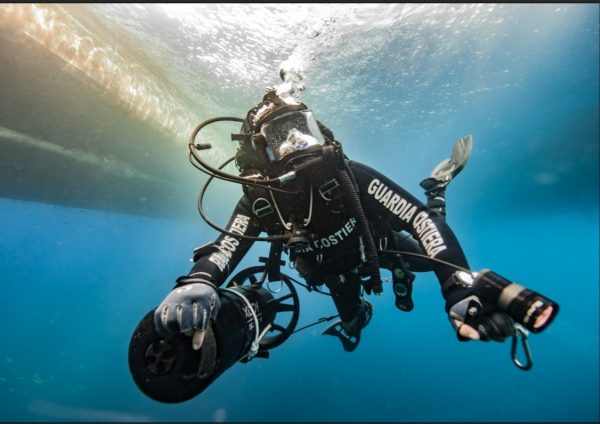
(339, 222)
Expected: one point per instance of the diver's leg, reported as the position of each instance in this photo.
(355, 312)
(444, 172)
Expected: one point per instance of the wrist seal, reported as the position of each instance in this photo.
(456, 287)
(184, 280)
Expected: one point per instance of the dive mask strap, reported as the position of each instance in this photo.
(333, 155)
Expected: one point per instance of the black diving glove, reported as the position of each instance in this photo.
(188, 309)
(474, 318)
(471, 321)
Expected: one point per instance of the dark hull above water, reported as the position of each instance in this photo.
(65, 141)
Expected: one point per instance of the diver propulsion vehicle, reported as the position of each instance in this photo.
(249, 324)
(172, 371)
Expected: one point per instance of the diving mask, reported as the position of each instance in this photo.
(291, 132)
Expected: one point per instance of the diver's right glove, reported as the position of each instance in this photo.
(188, 309)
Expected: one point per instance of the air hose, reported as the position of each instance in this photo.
(356, 209)
(343, 175)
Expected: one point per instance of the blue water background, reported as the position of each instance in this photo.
(76, 282)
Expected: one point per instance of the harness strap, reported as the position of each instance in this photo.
(275, 263)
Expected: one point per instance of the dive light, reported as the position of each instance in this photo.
(527, 307)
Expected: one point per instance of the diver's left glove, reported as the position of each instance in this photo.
(473, 317)
(471, 321)
(188, 309)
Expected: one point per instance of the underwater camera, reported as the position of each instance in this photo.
(172, 371)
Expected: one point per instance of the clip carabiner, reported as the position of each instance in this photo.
(521, 331)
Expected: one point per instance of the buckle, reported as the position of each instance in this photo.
(262, 210)
(327, 188)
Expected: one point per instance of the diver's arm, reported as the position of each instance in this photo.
(216, 260)
(383, 199)
(194, 302)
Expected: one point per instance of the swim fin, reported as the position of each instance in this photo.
(337, 329)
(444, 172)
(447, 169)
(349, 333)
(403, 293)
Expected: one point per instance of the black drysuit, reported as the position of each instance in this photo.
(333, 256)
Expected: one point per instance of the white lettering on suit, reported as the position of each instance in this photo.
(228, 245)
(332, 239)
(425, 228)
(428, 234)
(392, 201)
